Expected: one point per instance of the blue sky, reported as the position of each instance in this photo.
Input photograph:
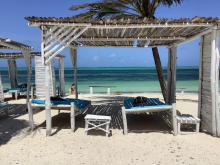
(14, 26)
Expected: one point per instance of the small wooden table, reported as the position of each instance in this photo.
(97, 122)
(187, 119)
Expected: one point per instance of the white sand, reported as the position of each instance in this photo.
(145, 147)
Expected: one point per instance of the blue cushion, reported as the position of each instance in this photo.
(81, 104)
(128, 103)
(13, 90)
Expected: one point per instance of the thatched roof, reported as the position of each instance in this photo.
(6, 43)
(125, 32)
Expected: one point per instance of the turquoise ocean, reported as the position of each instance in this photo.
(122, 80)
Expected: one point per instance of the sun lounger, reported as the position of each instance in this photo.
(4, 109)
(20, 90)
(64, 103)
(151, 105)
(76, 106)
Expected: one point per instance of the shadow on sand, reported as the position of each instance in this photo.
(111, 106)
(10, 126)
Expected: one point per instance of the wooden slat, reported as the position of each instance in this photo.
(40, 79)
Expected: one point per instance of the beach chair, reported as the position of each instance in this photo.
(4, 109)
(151, 105)
(76, 106)
(21, 89)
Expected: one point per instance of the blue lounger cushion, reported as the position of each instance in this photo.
(13, 90)
(150, 102)
(19, 88)
(81, 104)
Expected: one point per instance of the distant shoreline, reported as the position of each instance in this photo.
(94, 68)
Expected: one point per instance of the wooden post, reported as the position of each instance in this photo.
(12, 67)
(209, 81)
(174, 119)
(215, 82)
(28, 58)
(47, 101)
(171, 85)
(74, 61)
(61, 77)
(200, 77)
(72, 116)
(47, 83)
(124, 118)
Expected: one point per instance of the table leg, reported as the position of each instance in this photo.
(107, 129)
(86, 127)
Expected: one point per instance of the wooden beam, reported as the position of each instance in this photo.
(131, 39)
(118, 26)
(190, 39)
(67, 41)
(14, 47)
(120, 46)
(58, 34)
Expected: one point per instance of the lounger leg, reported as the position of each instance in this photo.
(86, 127)
(72, 117)
(107, 129)
(16, 95)
(174, 119)
(197, 127)
(30, 114)
(124, 121)
(179, 128)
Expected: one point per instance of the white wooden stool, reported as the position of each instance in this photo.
(187, 119)
(97, 122)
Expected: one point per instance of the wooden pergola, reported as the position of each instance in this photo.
(24, 52)
(59, 33)
(12, 64)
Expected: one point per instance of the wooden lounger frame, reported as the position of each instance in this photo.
(73, 109)
(159, 109)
